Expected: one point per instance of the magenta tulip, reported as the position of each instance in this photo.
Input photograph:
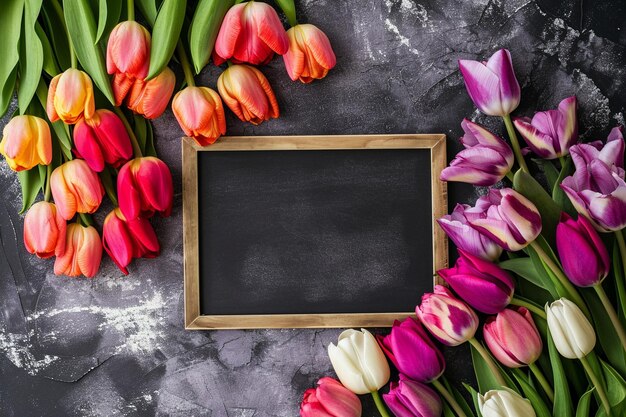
(551, 133)
(412, 352)
(492, 85)
(144, 187)
(447, 318)
(512, 337)
(330, 399)
(510, 219)
(412, 399)
(482, 284)
(485, 160)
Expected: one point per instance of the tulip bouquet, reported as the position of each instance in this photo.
(89, 75)
(538, 289)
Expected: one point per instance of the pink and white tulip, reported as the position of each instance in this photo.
(408, 398)
(513, 338)
(330, 399)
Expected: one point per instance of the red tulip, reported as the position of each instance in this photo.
(70, 97)
(310, 55)
(330, 399)
(76, 188)
(44, 230)
(144, 186)
(200, 114)
(83, 252)
(150, 98)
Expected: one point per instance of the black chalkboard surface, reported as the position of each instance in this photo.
(311, 231)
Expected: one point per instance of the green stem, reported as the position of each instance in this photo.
(59, 11)
(596, 383)
(514, 142)
(530, 306)
(610, 310)
(380, 405)
(47, 194)
(85, 219)
(131, 134)
(510, 176)
(107, 181)
(562, 161)
(489, 361)
(449, 398)
(621, 285)
(229, 62)
(131, 9)
(184, 62)
(622, 248)
(542, 381)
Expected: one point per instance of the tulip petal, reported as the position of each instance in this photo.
(229, 32)
(482, 86)
(500, 63)
(270, 29)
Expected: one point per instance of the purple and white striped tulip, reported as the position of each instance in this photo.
(465, 237)
(408, 398)
(492, 85)
(485, 160)
(551, 133)
(447, 318)
(510, 219)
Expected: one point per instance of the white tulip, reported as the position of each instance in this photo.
(359, 362)
(572, 333)
(504, 403)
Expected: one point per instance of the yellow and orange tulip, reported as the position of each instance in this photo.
(310, 55)
(44, 230)
(200, 114)
(150, 98)
(70, 97)
(76, 188)
(26, 142)
(83, 252)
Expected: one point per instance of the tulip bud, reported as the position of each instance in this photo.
(70, 97)
(512, 337)
(150, 98)
(200, 114)
(83, 252)
(412, 399)
(572, 333)
(125, 239)
(44, 230)
(482, 284)
(330, 399)
(310, 55)
(102, 139)
(412, 352)
(584, 257)
(510, 219)
(144, 186)
(551, 133)
(251, 32)
(465, 237)
(26, 142)
(246, 91)
(492, 85)
(504, 403)
(358, 361)
(76, 188)
(485, 160)
(447, 318)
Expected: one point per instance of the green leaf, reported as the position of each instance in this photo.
(584, 404)
(11, 24)
(484, 376)
(474, 395)
(289, 9)
(31, 57)
(562, 400)
(558, 195)
(620, 281)
(205, 26)
(141, 131)
(165, 34)
(49, 62)
(150, 149)
(549, 170)
(148, 9)
(615, 384)
(81, 25)
(109, 12)
(31, 184)
(525, 268)
(461, 401)
(447, 411)
(54, 19)
(541, 409)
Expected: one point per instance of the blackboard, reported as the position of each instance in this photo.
(311, 231)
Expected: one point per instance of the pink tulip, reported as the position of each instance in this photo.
(250, 33)
(200, 114)
(70, 97)
(330, 399)
(44, 230)
(76, 188)
(144, 186)
(412, 352)
(551, 133)
(102, 140)
(310, 55)
(482, 284)
(513, 338)
(447, 318)
(492, 85)
(485, 160)
(83, 252)
(412, 399)
(26, 143)
(150, 98)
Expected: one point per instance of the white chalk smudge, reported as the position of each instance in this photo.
(18, 350)
(399, 36)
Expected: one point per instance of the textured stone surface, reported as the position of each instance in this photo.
(115, 345)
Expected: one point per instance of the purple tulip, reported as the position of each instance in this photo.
(467, 238)
(512, 337)
(412, 399)
(485, 160)
(509, 218)
(492, 85)
(412, 352)
(584, 257)
(597, 189)
(551, 133)
(482, 284)
(447, 318)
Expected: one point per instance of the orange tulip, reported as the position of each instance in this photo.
(70, 97)
(44, 230)
(83, 252)
(200, 114)
(76, 188)
(310, 55)
(150, 98)
(248, 94)
(26, 142)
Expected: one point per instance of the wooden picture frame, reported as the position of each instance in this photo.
(193, 318)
